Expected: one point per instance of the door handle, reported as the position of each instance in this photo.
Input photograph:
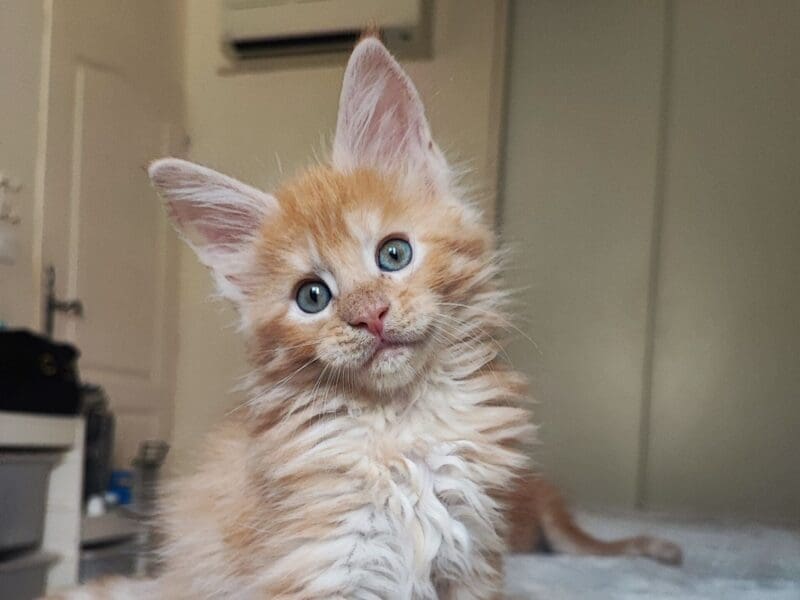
(53, 304)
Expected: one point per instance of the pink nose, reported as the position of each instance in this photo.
(372, 319)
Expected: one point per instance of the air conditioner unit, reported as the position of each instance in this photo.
(278, 28)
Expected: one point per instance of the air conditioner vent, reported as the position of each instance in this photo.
(263, 29)
(340, 41)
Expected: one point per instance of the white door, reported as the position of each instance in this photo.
(104, 232)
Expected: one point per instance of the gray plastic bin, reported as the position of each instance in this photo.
(23, 497)
(25, 577)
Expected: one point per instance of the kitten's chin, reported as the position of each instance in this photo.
(393, 368)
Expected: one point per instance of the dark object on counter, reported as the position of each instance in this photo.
(99, 442)
(38, 375)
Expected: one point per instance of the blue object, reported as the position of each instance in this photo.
(121, 484)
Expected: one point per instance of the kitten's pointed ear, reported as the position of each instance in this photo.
(381, 121)
(216, 215)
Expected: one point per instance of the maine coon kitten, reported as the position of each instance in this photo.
(381, 429)
(382, 444)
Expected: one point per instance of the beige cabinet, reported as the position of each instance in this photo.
(652, 199)
(725, 414)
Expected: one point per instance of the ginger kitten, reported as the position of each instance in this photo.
(382, 437)
(381, 429)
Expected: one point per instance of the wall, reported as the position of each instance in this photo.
(22, 27)
(652, 194)
(262, 124)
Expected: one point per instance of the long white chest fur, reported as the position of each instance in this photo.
(422, 514)
(385, 504)
(418, 512)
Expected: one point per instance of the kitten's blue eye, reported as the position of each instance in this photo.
(313, 296)
(394, 254)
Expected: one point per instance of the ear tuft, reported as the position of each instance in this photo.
(371, 31)
(216, 215)
(381, 122)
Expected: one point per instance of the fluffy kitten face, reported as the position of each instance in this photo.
(318, 288)
(330, 229)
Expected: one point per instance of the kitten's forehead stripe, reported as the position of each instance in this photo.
(326, 220)
(338, 211)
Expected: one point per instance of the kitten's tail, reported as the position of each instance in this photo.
(113, 588)
(564, 535)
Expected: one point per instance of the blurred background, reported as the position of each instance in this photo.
(640, 158)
